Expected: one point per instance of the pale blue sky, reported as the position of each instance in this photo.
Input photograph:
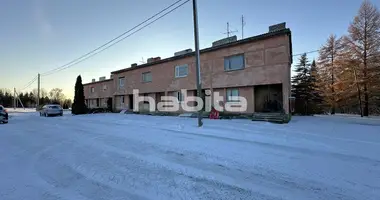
(39, 35)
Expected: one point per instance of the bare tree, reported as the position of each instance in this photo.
(363, 42)
(327, 64)
(56, 95)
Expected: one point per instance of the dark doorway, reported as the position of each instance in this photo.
(268, 98)
(109, 104)
(131, 102)
(98, 102)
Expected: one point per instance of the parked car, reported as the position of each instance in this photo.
(50, 110)
(3, 115)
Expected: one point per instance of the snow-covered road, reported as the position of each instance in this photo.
(115, 156)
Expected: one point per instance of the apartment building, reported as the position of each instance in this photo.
(98, 94)
(257, 68)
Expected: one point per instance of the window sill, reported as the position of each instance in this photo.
(233, 101)
(231, 70)
(180, 76)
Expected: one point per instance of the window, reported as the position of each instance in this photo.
(181, 71)
(147, 77)
(92, 89)
(179, 96)
(104, 87)
(234, 62)
(232, 94)
(121, 82)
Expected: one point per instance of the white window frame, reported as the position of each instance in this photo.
(230, 95)
(145, 75)
(121, 82)
(176, 72)
(104, 87)
(227, 60)
(92, 89)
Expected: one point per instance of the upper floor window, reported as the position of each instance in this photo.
(181, 71)
(121, 82)
(104, 87)
(232, 95)
(147, 77)
(234, 62)
(92, 89)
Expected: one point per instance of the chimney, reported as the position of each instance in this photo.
(102, 78)
(225, 41)
(150, 60)
(277, 27)
(186, 51)
(134, 65)
(157, 59)
(93, 80)
(111, 77)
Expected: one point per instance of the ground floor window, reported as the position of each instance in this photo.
(232, 95)
(179, 95)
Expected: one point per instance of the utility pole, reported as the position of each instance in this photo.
(242, 26)
(197, 59)
(14, 98)
(38, 91)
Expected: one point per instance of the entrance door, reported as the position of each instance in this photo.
(268, 98)
(98, 102)
(131, 103)
(109, 104)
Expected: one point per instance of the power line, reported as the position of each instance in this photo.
(305, 53)
(115, 40)
(29, 83)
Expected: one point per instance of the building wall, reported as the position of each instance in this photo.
(246, 92)
(99, 92)
(266, 62)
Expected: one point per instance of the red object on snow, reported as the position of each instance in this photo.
(214, 114)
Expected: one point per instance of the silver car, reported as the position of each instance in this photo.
(3, 115)
(50, 110)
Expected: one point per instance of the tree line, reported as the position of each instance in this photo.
(29, 99)
(346, 76)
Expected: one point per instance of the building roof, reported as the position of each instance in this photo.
(243, 41)
(97, 82)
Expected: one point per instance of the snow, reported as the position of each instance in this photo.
(118, 156)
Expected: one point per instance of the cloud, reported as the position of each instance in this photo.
(44, 26)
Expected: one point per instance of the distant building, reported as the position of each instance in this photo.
(257, 68)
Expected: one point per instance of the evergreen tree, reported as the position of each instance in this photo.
(79, 106)
(303, 87)
(316, 96)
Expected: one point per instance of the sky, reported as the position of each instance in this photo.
(39, 35)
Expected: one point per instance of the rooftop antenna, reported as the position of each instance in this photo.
(242, 26)
(228, 30)
(142, 60)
